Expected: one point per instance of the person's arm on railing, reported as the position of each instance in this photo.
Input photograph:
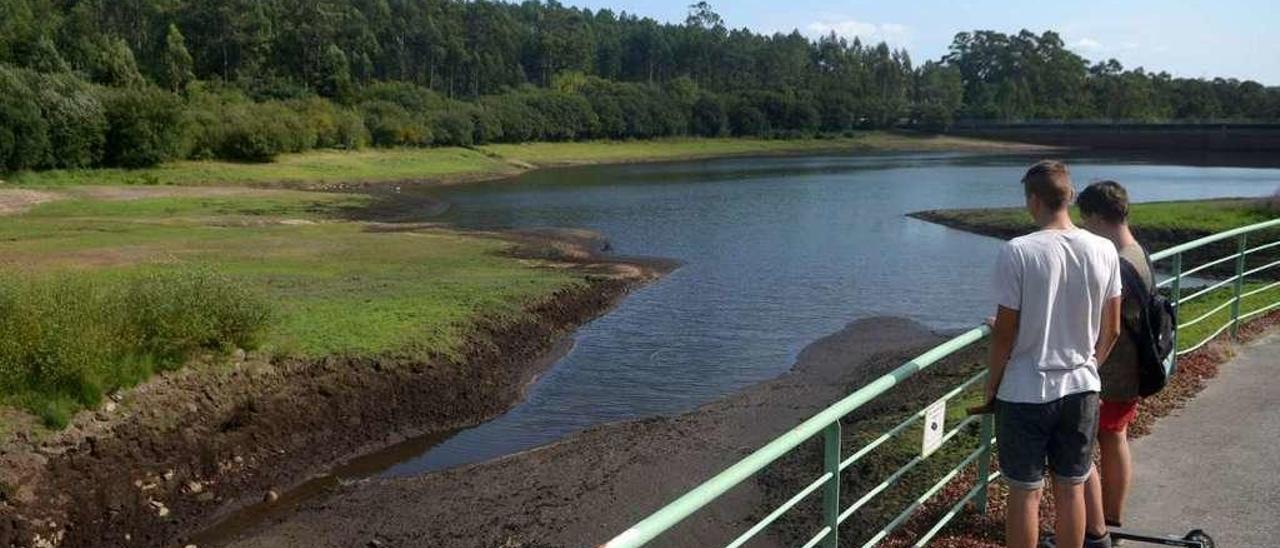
(1004, 329)
(1109, 332)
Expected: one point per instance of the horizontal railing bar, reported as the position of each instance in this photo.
(902, 517)
(709, 490)
(1262, 289)
(1262, 310)
(1261, 247)
(977, 488)
(897, 474)
(822, 534)
(1260, 269)
(1214, 263)
(777, 512)
(1209, 289)
(905, 423)
(951, 514)
(1206, 340)
(1225, 235)
(1216, 310)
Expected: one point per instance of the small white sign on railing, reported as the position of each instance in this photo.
(935, 417)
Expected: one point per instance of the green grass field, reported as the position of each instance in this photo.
(684, 148)
(341, 288)
(333, 287)
(448, 164)
(1193, 335)
(1206, 216)
(315, 167)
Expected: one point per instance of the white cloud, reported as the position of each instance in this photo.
(870, 33)
(1087, 44)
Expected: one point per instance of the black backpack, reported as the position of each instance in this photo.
(1152, 331)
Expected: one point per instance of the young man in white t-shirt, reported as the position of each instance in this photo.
(1058, 293)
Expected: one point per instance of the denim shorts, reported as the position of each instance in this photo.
(1060, 433)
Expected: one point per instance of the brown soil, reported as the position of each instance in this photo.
(591, 486)
(179, 452)
(123, 193)
(17, 200)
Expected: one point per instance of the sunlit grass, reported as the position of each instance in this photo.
(1207, 216)
(683, 148)
(338, 287)
(436, 164)
(320, 167)
(1193, 335)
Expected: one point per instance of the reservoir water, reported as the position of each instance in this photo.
(776, 253)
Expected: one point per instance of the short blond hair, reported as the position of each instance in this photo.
(1049, 181)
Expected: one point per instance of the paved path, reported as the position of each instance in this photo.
(1215, 465)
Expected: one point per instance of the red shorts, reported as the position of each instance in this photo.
(1115, 416)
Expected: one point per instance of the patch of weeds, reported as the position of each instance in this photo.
(66, 342)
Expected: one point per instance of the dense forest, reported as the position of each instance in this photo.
(131, 83)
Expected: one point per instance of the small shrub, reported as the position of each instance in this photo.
(24, 141)
(390, 124)
(65, 342)
(172, 314)
(331, 126)
(351, 133)
(453, 128)
(258, 132)
(248, 138)
(708, 118)
(746, 120)
(488, 128)
(144, 126)
(517, 120)
(413, 98)
(77, 123)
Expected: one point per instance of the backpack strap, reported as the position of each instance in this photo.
(1130, 279)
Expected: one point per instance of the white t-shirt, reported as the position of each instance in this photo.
(1058, 280)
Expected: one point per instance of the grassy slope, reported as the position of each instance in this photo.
(1203, 216)
(683, 148)
(321, 166)
(340, 288)
(1160, 224)
(446, 164)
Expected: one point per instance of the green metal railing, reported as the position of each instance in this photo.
(827, 421)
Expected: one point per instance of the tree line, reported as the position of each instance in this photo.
(131, 83)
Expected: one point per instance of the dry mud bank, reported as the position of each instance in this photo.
(583, 490)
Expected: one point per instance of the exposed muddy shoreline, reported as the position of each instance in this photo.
(188, 448)
(586, 488)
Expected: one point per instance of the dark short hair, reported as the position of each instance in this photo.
(1106, 200)
(1049, 181)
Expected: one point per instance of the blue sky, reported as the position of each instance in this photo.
(1237, 38)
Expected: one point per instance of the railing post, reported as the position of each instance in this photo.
(831, 492)
(1177, 309)
(984, 460)
(1239, 285)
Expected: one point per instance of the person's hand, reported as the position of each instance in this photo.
(984, 409)
(990, 321)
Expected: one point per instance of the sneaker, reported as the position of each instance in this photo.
(1047, 540)
(1103, 541)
